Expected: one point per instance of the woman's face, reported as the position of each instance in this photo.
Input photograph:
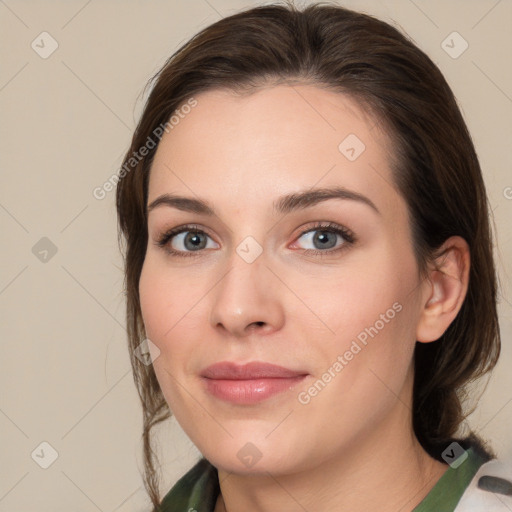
(250, 286)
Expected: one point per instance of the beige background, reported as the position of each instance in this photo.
(66, 122)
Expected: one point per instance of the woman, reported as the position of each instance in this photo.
(307, 249)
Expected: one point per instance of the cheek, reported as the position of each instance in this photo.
(364, 365)
(371, 313)
(152, 303)
(166, 298)
(173, 315)
(366, 294)
(162, 310)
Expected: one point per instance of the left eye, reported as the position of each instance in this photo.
(325, 238)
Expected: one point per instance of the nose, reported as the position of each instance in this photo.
(247, 299)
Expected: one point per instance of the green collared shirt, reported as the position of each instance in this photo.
(198, 490)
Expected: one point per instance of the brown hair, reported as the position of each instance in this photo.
(435, 169)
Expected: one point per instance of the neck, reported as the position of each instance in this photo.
(385, 471)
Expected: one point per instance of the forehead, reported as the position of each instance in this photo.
(257, 146)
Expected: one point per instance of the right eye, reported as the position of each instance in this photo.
(184, 241)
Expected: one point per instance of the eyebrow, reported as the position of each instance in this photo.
(285, 204)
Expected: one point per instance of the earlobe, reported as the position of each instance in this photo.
(445, 289)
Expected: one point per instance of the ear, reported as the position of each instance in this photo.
(445, 289)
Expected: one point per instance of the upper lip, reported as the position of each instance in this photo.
(253, 370)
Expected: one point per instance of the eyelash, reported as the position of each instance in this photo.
(329, 227)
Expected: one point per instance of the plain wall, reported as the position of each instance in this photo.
(66, 121)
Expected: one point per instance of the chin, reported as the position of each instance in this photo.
(242, 456)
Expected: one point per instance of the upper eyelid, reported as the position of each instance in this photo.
(323, 225)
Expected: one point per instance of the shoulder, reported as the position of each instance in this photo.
(490, 488)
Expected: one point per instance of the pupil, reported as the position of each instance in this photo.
(323, 238)
(194, 238)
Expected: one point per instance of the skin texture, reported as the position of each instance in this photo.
(352, 446)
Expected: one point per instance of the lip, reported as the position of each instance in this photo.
(227, 370)
(249, 383)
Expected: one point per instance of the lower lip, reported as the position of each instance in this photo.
(252, 391)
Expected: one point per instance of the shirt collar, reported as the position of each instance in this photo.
(198, 489)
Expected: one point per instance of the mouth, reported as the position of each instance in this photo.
(249, 383)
